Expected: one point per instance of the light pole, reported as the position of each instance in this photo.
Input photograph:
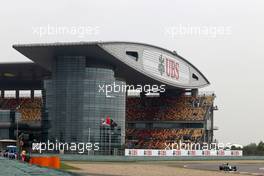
(89, 137)
(17, 128)
(17, 116)
(110, 141)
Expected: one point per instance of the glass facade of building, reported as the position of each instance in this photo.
(7, 119)
(79, 98)
(4, 117)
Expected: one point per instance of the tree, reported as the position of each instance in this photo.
(254, 149)
(260, 148)
(250, 149)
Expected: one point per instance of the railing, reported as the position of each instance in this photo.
(206, 93)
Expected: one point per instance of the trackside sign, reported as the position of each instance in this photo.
(165, 67)
(154, 152)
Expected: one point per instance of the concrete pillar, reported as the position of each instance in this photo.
(17, 94)
(2, 93)
(32, 94)
(194, 92)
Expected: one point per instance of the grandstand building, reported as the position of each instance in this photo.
(78, 92)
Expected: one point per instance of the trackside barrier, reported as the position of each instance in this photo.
(51, 162)
(123, 158)
(193, 153)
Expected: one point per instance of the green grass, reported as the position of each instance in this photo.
(68, 167)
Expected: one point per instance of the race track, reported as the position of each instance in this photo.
(244, 168)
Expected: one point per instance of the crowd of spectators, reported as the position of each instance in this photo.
(30, 109)
(171, 109)
(157, 138)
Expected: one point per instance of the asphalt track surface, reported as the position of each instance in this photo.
(243, 168)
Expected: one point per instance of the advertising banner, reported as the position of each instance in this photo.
(155, 152)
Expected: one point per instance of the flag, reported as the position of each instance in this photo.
(108, 121)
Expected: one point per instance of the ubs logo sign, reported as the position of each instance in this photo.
(171, 67)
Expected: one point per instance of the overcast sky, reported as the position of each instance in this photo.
(224, 39)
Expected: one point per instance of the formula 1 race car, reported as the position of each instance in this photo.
(227, 167)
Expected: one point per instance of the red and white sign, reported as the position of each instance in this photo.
(166, 67)
(154, 152)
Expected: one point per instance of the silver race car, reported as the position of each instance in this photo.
(227, 167)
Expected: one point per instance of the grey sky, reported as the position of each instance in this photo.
(232, 61)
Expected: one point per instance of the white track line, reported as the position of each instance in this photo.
(244, 172)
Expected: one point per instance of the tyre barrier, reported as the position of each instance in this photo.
(50, 162)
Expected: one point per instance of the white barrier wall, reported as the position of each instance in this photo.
(150, 152)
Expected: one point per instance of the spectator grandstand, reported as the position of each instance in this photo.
(30, 109)
(144, 112)
(156, 138)
(168, 109)
(183, 108)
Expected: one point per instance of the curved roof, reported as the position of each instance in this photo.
(135, 62)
